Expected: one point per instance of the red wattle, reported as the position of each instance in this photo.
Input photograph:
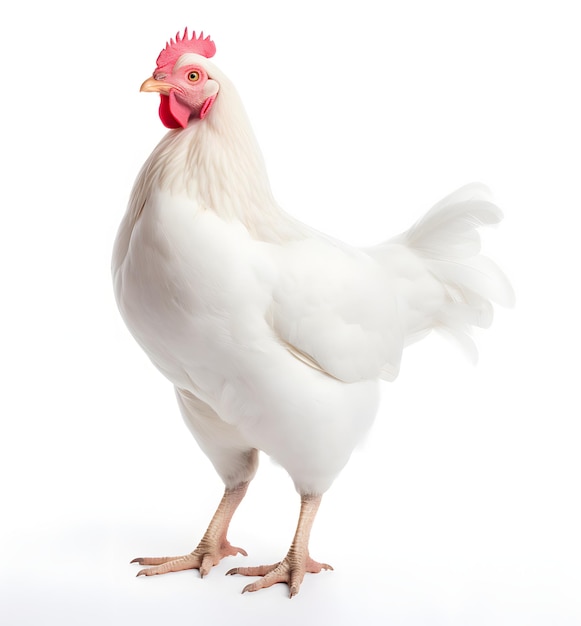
(169, 121)
(173, 113)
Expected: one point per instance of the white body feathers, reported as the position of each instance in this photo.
(274, 335)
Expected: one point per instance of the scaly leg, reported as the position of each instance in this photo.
(212, 548)
(296, 563)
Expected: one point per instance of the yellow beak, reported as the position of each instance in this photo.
(151, 84)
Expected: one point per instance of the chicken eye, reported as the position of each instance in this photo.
(193, 76)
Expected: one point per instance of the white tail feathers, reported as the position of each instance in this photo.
(448, 241)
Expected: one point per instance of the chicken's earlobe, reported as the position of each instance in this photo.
(207, 106)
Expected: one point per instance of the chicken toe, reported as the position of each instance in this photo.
(285, 571)
(203, 558)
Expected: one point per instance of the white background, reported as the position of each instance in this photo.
(463, 505)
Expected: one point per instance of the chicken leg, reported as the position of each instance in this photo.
(212, 548)
(296, 563)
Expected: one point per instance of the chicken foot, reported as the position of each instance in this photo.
(212, 548)
(292, 569)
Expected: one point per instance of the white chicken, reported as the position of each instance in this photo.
(274, 335)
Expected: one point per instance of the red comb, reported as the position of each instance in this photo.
(174, 49)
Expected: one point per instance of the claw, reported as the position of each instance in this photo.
(292, 569)
(212, 548)
(285, 571)
(198, 559)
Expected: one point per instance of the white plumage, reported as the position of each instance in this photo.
(274, 335)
